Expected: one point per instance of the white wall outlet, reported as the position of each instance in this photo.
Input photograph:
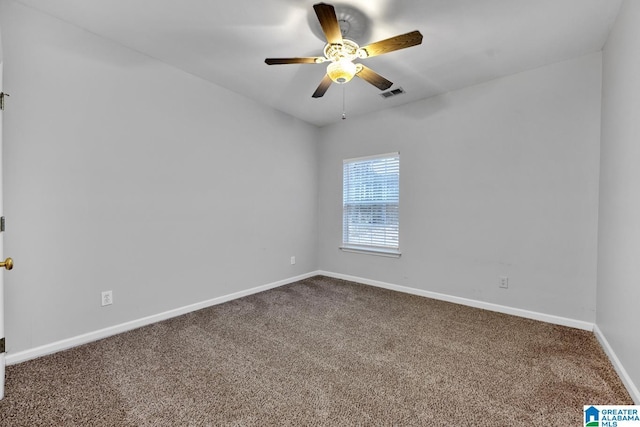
(504, 282)
(293, 260)
(107, 298)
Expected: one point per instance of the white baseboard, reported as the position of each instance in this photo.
(622, 373)
(22, 356)
(549, 318)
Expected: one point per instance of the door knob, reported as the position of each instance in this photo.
(7, 263)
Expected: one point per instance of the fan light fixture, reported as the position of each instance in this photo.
(342, 51)
(341, 71)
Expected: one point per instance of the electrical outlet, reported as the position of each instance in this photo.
(107, 298)
(504, 282)
(293, 260)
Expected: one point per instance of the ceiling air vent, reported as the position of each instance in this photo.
(393, 92)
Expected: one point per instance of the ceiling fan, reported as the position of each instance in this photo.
(341, 52)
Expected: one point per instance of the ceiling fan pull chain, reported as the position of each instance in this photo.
(344, 110)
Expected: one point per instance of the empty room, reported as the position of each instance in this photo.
(287, 212)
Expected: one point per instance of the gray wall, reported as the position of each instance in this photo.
(618, 316)
(125, 174)
(496, 179)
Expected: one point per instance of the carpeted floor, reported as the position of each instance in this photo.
(321, 352)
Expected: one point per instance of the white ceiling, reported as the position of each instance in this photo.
(465, 42)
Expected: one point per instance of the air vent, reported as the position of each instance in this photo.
(393, 92)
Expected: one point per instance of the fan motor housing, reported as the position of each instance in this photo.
(347, 50)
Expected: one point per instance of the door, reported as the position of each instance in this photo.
(2, 343)
(8, 263)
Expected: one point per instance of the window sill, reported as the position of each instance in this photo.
(390, 253)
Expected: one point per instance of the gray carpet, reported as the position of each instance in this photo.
(321, 352)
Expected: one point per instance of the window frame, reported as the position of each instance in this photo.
(380, 250)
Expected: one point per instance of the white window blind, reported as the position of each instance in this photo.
(371, 196)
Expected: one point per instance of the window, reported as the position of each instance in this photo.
(370, 201)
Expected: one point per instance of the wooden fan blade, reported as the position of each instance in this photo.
(374, 78)
(322, 88)
(403, 41)
(278, 61)
(329, 22)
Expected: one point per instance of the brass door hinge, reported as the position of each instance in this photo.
(1, 345)
(2, 95)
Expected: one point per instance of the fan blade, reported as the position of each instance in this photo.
(374, 78)
(403, 41)
(322, 88)
(329, 22)
(278, 61)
